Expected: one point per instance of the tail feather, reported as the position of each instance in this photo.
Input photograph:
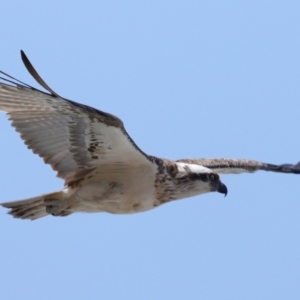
(31, 208)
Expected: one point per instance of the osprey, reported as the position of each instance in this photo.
(102, 167)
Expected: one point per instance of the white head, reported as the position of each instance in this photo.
(193, 180)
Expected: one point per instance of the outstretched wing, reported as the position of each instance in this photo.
(73, 138)
(236, 166)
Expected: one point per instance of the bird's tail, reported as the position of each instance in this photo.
(32, 208)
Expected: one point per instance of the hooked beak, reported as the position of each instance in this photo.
(222, 189)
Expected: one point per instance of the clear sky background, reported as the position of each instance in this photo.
(189, 79)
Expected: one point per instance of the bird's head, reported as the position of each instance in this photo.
(195, 180)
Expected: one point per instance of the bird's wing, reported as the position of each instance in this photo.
(236, 166)
(73, 138)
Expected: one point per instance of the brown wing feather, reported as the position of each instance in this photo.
(235, 166)
(73, 138)
(35, 74)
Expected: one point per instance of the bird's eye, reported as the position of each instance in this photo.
(212, 177)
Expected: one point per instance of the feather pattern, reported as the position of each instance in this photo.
(236, 166)
(72, 138)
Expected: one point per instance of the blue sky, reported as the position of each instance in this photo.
(189, 79)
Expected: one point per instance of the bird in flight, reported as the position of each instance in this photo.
(102, 167)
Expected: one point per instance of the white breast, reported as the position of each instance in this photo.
(121, 191)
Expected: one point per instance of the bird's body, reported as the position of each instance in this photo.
(103, 169)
